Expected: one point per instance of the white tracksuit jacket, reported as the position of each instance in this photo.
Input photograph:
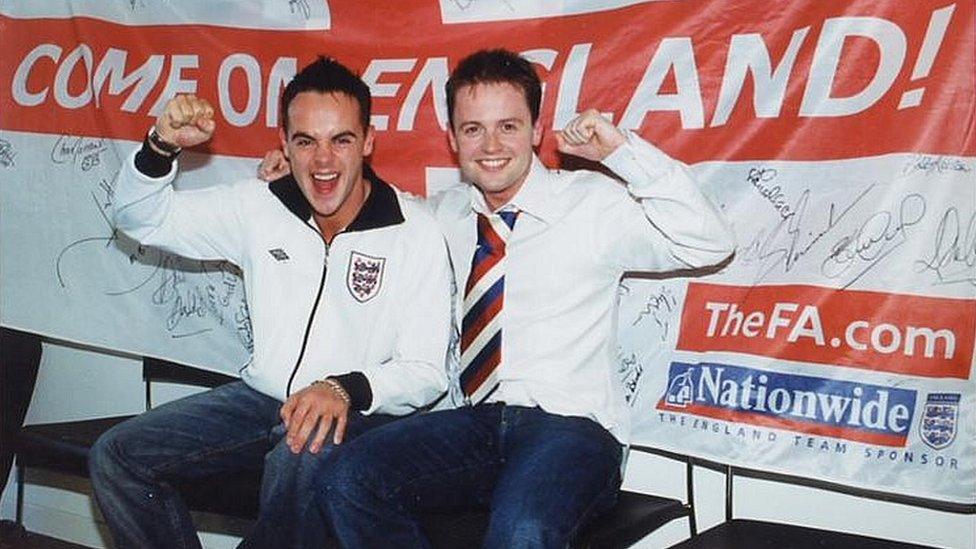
(377, 300)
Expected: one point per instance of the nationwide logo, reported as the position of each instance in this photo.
(904, 334)
(861, 412)
(940, 415)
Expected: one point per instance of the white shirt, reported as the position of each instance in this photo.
(577, 234)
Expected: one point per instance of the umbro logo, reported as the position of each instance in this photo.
(278, 254)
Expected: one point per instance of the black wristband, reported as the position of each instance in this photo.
(164, 146)
(357, 387)
(151, 163)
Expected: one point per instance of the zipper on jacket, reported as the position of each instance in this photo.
(311, 316)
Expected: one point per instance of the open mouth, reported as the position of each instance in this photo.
(325, 181)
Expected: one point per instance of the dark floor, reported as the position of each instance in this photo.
(14, 538)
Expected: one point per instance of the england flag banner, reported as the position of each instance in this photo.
(839, 139)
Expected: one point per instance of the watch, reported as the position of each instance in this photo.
(162, 145)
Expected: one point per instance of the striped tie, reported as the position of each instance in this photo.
(481, 331)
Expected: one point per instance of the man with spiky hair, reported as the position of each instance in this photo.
(538, 253)
(348, 286)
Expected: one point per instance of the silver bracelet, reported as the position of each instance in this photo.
(336, 388)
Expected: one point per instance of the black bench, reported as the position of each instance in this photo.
(738, 532)
(63, 447)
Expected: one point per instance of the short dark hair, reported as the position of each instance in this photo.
(326, 75)
(496, 66)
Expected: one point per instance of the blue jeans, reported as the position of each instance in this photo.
(542, 475)
(230, 428)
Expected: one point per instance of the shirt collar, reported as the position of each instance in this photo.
(535, 198)
(381, 208)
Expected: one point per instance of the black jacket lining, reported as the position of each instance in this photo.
(381, 208)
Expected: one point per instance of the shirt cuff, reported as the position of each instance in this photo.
(638, 162)
(357, 387)
(151, 163)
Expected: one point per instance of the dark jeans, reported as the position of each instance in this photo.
(542, 475)
(230, 428)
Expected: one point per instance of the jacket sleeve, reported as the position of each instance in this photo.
(417, 375)
(666, 223)
(199, 224)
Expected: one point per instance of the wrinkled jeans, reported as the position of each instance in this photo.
(543, 476)
(229, 428)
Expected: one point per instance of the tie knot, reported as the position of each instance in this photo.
(509, 218)
(494, 230)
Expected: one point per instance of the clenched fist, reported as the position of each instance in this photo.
(273, 165)
(590, 136)
(187, 120)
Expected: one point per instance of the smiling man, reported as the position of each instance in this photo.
(539, 253)
(348, 285)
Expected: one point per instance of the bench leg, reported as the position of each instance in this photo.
(20, 494)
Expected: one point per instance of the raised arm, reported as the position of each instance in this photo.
(668, 223)
(202, 224)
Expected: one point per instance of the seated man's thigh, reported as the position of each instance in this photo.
(288, 472)
(559, 472)
(222, 429)
(433, 461)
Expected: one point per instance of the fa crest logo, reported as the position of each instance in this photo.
(937, 426)
(680, 390)
(364, 277)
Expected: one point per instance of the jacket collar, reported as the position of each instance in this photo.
(381, 208)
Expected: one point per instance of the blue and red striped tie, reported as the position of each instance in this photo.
(481, 331)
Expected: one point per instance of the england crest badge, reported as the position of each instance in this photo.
(364, 277)
(937, 426)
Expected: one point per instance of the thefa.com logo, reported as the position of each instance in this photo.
(919, 336)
